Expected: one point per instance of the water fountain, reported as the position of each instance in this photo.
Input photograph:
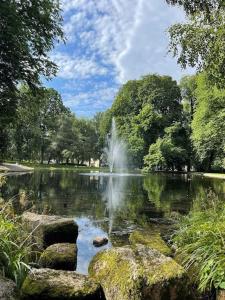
(115, 151)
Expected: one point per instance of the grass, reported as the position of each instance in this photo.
(15, 244)
(200, 242)
(38, 166)
(214, 175)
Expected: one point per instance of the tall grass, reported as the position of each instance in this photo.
(15, 244)
(200, 242)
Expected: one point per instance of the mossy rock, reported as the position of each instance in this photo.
(48, 284)
(48, 230)
(8, 290)
(151, 239)
(61, 256)
(138, 273)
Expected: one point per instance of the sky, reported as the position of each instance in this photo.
(109, 42)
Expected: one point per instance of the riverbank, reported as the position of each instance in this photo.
(14, 167)
(26, 166)
(211, 175)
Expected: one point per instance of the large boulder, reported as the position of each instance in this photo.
(138, 273)
(61, 256)
(48, 284)
(151, 239)
(8, 289)
(48, 230)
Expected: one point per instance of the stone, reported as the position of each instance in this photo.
(151, 239)
(48, 284)
(8, 290)
(61, 256)
(48, 230)
(100, 241)
(138, 273)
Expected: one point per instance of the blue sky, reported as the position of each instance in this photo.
(108, 43)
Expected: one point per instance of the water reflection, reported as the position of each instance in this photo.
(113, 195)
(110, 206)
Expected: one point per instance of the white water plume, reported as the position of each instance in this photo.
(116, 150)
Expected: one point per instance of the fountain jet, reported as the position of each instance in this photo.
(115, 151)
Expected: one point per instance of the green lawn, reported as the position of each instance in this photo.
(38, 166)
(214, 175)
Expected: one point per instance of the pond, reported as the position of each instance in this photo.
(111, 206)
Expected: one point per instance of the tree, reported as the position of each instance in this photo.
(200, 42)
(169, 152)
(208, 124)
(65, 142)
(36, 122)
(188, 87)
(143, 109)
(195, 6)
(28, 30)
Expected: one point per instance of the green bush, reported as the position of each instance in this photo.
(200, 242)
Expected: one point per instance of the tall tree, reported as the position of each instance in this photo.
(208, 124)
(143, 109)
(28, 30)
(36, 121)
(200, 42)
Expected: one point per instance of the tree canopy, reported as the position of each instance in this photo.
(200, 42)
(28, 30)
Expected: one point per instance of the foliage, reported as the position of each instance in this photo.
(200, 241)
(45, 130)
(15, 245)
(208, 124)
(200, 42)
(143, 109)
(28, 31)
(168, 152)
(194, 6)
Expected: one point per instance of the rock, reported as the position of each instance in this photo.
(151, 239)
(8, 290)
(100, 241)
(61, 256)
(48, 284)
(48, 230)
(138, 273)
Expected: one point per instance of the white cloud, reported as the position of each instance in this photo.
(70, 67)
(129, 35)
(97, 100)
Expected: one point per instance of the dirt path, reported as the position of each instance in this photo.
(5, 167)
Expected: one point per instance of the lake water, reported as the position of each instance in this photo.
(111, 206)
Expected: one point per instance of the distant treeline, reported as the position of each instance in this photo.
(169, 126)
(45, 130)
(166, 126)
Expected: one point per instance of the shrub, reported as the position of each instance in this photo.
(200, 242)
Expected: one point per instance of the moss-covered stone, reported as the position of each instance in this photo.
(61, 256)
(151, 239)
(138, 273)
(48, 284)
(48, 230)
(8, 290)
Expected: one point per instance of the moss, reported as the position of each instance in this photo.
(150, 239)
(127, 273)
(117, 272)
(61, 256)
(62, 285)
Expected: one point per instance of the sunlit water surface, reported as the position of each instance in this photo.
(108, 205)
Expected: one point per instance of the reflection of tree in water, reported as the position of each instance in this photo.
(114, 195)
(131, 200)
(178, 192)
